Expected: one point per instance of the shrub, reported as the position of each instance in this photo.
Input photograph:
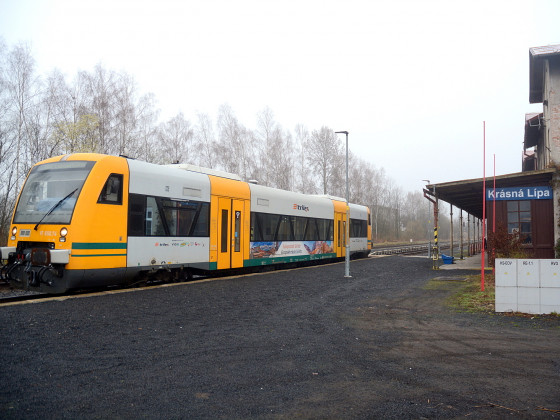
(505, 245)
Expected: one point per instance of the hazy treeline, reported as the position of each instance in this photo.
(102, 111)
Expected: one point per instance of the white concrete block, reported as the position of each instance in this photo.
(550, 300)
(506, 272)
(528, 273)
(506, 299)
(550, 273)
(529, 300)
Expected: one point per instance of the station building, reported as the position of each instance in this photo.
(528, 201)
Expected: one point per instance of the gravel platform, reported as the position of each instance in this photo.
(305, 343)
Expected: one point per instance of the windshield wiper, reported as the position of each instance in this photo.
(53, 208)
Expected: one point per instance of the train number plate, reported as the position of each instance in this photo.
(25, 233)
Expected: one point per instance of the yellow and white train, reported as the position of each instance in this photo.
(86, 220)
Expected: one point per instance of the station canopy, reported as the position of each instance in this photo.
(467, 194)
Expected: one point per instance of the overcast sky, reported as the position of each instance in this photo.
(412, 81)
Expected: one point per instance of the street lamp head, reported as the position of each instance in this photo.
(341, 132)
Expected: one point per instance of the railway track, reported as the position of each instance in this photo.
(413, 249)
(10, 295)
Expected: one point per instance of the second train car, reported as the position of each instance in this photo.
(86, 220)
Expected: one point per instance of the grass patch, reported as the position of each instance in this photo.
(470, 297)
(466, 296)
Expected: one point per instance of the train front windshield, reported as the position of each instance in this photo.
(50, 192)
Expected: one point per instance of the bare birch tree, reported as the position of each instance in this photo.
(275, 152)
(125, 127)
(99, 89)
(304, 181)
(205, 141)
(147, 116)
(175, 137)
(236, 147)
(324, 156)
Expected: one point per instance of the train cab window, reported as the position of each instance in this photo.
(112, 190)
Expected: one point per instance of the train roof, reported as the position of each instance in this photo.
(203, 170)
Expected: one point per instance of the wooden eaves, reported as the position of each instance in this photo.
(467, 194)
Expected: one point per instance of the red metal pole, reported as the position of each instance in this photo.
(483, 203)
(494, 219)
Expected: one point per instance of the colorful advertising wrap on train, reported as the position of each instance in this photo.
(289, 249)
(519, 193)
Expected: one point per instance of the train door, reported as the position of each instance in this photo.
(230, 233)
(340, 234)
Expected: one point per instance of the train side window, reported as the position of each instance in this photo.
(285, 230)
(137, 216)
(312, 233)
(170, 214)
(329, 231)
(325, 230)
(358, 228)
(299, 223)
(112, 190)
(256, 230)
(269, 226)
(202, 221)
(155, 224)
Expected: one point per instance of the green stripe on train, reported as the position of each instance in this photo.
(256, 262)
(99, 245)
(99, 255)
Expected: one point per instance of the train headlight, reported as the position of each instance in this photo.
(63, 233)
(14, 232)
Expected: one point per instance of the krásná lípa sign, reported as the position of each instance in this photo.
(519, 193)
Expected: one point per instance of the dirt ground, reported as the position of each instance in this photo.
(304, 343)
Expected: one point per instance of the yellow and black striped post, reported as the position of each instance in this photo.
(435, 254)
(435, 249)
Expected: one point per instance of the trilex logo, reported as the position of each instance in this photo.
(301, 207)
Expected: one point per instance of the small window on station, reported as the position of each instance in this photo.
(519, 219)
(112, 190)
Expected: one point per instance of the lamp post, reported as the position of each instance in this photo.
(347, 258)
(427, 181)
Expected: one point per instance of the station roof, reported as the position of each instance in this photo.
(536, 70)
(467, 194)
